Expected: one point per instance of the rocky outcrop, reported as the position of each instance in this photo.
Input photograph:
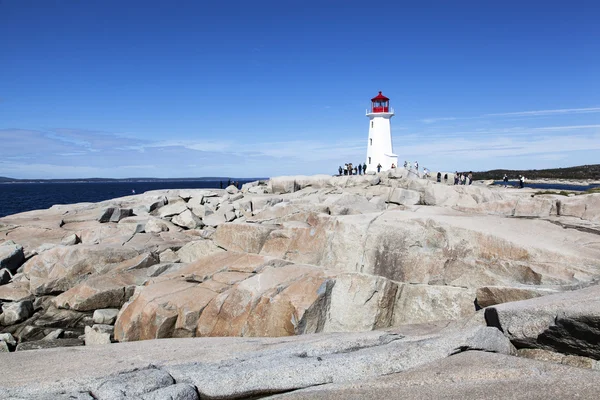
(564, 322)
(237, 294)
(402, 262)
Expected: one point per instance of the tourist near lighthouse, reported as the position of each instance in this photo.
(379, 146)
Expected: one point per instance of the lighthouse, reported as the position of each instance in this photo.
(379, 146)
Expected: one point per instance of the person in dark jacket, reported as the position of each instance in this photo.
(378, 167)
(360, 169)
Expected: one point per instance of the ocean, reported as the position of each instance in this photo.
(550, 186)
(20, 197)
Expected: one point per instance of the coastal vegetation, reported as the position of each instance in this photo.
(578, 172)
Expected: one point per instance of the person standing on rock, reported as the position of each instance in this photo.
(360, 169)
(439, 177)
(470, 177)
(364, 168)
(378, 168)
(417, 165)
(340, 171)
(505, 179)
(446, 178)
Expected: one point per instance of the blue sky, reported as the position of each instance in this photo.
(246, 89)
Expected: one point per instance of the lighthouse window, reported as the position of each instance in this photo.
(371, 142)
(371, 124)
(369, 160)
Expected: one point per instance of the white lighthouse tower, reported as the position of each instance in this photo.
(379, 147)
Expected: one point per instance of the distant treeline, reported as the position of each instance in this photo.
(580, 172)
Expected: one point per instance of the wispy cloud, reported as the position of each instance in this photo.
(37, 154)
(546, 112)
(537, 113)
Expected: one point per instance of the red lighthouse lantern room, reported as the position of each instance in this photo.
(380, 104)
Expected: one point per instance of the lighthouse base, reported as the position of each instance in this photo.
(386, 161)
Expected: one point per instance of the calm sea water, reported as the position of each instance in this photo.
(553, 186)
(20, 197)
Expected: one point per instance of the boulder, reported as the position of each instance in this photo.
(169, 256)
(231, 189)
(11, 256)
(404, 197)
(171, 305)
(171, 209)
(236, 197)
(187, 220)
(157, 225)
(98, 334)
(62, 267)
(564, 322)
(55, 334)
(114, 214)
(8, 339)
(48, 320)
(276, 302)
(154, 311)
(105, 316)
(491, 295)
(70, 240)
(15, 291)
(13, 313)
(102, 291)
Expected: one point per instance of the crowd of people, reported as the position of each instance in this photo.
(460, 178)
(350, 169)
(463, 178)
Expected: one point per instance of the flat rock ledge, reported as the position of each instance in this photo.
(235, 368)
